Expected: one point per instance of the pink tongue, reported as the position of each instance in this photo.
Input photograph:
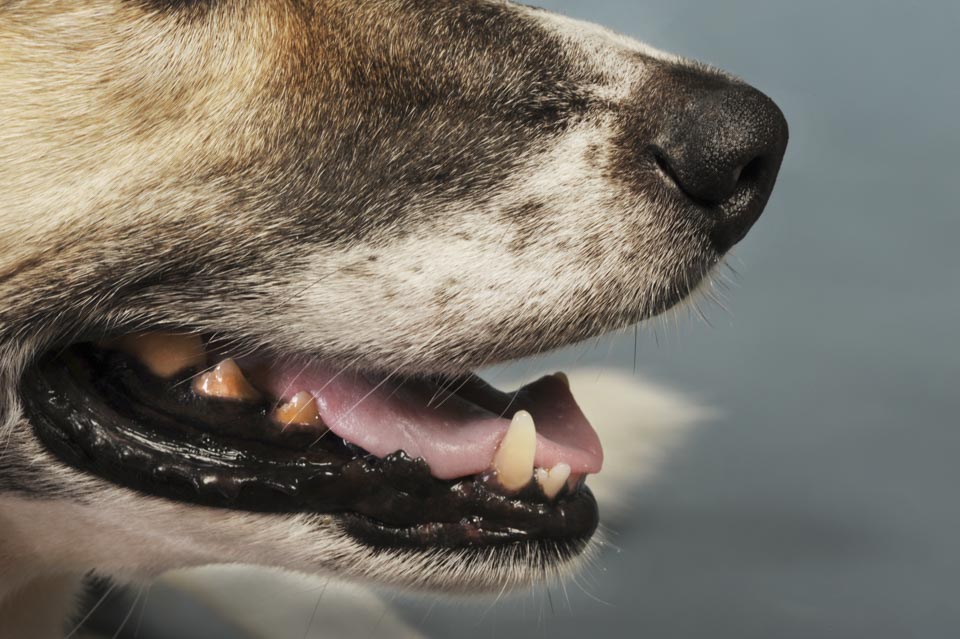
(456, 437)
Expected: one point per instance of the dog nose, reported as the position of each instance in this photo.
(724, 152)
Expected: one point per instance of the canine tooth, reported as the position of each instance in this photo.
(164, 354)
(514, 459)
(551, 481)
(301, 410)
(226, 381)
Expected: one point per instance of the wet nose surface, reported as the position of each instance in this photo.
(723, 151)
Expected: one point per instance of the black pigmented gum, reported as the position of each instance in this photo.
(102, 413)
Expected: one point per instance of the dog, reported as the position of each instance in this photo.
(218, 215)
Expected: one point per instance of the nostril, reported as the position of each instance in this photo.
(726, 146)
(737, 172)
(751, 171)
(710, 182)
(660, 159)
(707, 188)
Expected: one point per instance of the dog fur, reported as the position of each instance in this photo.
(405, 185)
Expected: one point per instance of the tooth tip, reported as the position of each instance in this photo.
(522, 419)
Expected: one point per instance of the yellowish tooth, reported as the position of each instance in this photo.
(164, 354)
(301, 410)
(553, 480)
(563, 378)
(514, 459)
(226, 381)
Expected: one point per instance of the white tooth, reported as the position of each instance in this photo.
(551, 481)
(514, 459)
(563, 378)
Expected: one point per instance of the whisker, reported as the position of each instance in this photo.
(92, 610)
(376, 626)
(133, 607)
(189, 380)
(456, 390)
(143, 610)
(316, 607)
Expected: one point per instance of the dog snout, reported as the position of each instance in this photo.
(723, 150)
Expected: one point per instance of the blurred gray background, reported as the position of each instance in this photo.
(823, 503)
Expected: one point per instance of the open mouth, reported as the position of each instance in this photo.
(400, 461)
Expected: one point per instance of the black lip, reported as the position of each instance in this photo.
(100, 412)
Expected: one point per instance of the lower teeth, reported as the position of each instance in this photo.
(552, 481)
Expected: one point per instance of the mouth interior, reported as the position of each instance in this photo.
(423, 461)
